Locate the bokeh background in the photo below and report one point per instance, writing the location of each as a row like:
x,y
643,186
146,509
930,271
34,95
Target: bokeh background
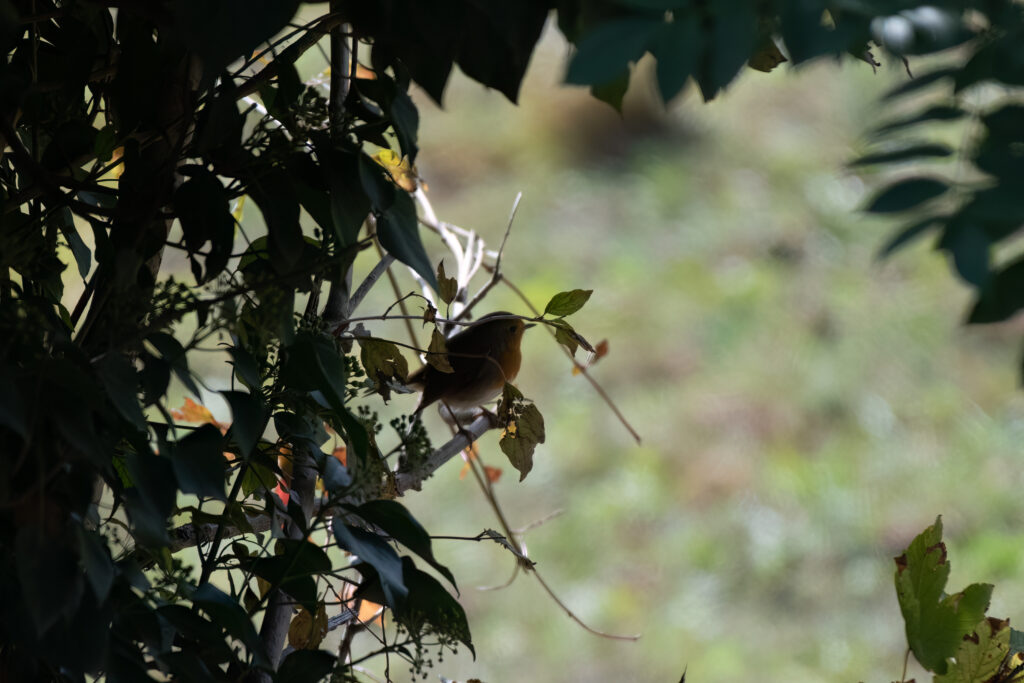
x,y
805,408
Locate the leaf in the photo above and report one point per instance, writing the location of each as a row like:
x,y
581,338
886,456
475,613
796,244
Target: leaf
x,y
230,615
229,29
908,233
202,206
382,360
122,384
400,525
294,570
399,234
603,52
247,421
935,622
931,114
521,436
349,203
191,411
678,51
447,287
400,169
980,653
1003,296
922,81
906,153
174,355
199,464
969,246
767,57
430,603
306,666
307,629
373,550
567,303
437,352
907,194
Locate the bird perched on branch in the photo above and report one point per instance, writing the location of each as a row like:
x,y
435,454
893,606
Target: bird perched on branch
x,y
483,357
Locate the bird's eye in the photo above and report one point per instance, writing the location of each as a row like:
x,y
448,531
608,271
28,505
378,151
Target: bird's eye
x,y
511,328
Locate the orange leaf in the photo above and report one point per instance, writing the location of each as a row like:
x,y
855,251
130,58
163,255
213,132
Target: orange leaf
x,y
340,454
193,412
601,350
493,473
282,494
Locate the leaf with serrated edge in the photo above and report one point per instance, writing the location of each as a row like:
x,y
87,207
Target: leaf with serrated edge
x,y
980,653
935,622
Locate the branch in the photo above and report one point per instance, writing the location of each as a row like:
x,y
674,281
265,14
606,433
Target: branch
x,y
188,535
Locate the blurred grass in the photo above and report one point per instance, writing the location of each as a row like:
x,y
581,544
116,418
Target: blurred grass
x,y
805,409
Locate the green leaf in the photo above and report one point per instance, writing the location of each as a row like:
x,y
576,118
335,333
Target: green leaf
x,y
907,194
678,51
96,561
935,622
919,82
246,367
929,115
349,204
614,91
373,550
399,234
401,526
224,31
521,436
382,360
437,352
294,570
174,355
447,287
908,233
567,303
278,202
306,666
201,203
969,246
230,615
247,420
1003,296
606,50
906,153
122,384
980,654
199,463
81,252
430,603
12,405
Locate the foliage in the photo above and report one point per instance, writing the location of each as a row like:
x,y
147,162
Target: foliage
x,y
950,634
125,130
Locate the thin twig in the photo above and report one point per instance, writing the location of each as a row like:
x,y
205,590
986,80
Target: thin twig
x,y
370,280
496,275
575,618
583,371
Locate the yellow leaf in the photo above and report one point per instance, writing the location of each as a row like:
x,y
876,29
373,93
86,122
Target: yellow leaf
x,y
307,631
401,171
437,352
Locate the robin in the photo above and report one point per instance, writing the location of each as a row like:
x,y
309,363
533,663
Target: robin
x,y
483,356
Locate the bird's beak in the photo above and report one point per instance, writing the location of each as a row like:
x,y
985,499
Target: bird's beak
x,y
526,327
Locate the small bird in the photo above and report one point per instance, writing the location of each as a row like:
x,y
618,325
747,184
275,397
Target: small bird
x,y
483,356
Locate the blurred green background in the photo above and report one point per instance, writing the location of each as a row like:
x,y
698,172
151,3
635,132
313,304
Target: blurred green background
x,y
805,409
